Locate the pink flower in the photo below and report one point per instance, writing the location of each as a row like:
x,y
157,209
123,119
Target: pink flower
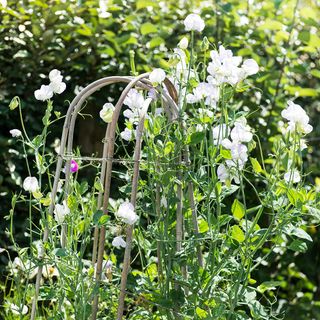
x,y
74,167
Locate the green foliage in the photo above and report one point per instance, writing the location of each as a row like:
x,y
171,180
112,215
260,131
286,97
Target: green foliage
x,y
39,36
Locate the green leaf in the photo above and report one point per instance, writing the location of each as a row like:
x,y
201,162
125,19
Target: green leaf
x,y
201,313
60,252
226,154
257,310
268,285
297,232
169,147
96,216
315,73
156,42
298,246
148,27
196,137
237,234
104,220
256,165
237,209
141,4
203,226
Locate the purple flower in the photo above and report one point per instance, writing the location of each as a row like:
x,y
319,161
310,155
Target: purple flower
x,y
74,167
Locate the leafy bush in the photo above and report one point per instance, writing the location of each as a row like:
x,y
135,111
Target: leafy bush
x,y
41,36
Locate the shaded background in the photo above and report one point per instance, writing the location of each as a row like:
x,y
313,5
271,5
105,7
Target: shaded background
x,y
88,40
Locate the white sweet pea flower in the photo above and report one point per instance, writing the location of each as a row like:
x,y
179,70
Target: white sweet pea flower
x,y
193,22
241,131
292,176
126,213
219,133
250,67
56,83
55,76
183,44
22,310
157,76
30,184
126,134
163,202
44,93
228,172
298,118
118,242
58,87
15,133
60,212
4,3
106,112
204,91
238,151
223,173
134,99
225,68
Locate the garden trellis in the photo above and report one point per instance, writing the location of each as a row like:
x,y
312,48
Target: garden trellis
x,y
169,96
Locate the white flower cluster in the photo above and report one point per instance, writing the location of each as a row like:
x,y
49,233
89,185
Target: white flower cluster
x,y
204,91
225,68
298,123
60,212
56,86
138,106
126,214
297,117
193,22
241,133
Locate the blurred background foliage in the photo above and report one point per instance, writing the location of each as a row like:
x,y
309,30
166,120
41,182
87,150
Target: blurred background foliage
x,y
90,39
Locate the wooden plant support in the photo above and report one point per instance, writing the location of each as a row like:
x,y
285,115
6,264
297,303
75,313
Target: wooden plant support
x,y
170,98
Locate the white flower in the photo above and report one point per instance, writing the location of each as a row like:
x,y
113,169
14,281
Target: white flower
x,y
193,22
44,93
126,213
30,184
298,118
250,67
78,20
163,202
222,172
4,3
60,212
157,76
58,87
18,310
225,68
292,176
126,134
15,133
183,44
56,83
241,131
238,151
55,76
106,112
206,91
118,242
219,133
134,99
103,7
228,172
